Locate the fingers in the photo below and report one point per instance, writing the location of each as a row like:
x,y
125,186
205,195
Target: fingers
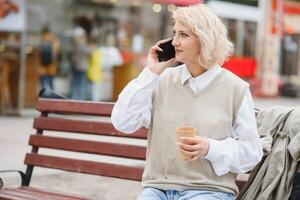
x,y
187,147
170,62
190,150
190,156
162,41
156,46
194,147
190,140
189,153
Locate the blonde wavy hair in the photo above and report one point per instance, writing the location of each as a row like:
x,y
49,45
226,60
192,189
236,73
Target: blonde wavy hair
x,y
212,33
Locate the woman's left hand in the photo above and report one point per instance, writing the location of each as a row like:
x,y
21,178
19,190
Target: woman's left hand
x,y
194,147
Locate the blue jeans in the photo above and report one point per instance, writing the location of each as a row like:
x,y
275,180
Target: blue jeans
x,y
46,82
150,193
79,85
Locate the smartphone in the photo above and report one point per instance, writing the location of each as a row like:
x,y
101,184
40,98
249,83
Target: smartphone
x,y
167,53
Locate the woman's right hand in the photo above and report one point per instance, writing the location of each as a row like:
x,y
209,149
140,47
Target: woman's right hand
x,y
152,60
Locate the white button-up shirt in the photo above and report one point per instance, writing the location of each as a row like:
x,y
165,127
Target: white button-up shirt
x,y
238,153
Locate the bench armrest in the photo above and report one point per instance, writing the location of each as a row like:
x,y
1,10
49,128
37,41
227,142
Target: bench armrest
x,y
8,171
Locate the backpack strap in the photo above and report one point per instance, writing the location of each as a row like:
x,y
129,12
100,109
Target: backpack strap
x,y
278,125
277,129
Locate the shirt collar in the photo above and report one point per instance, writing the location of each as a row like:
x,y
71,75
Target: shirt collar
x,y
203,79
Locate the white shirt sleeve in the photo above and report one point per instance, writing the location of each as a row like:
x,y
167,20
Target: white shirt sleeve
x,y
241,152
133,109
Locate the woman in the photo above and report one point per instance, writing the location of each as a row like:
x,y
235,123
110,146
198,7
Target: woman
x,y
198,93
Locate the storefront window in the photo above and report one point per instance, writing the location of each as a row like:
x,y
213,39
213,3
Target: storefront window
x,y
291,54
232,32
243,35
249,39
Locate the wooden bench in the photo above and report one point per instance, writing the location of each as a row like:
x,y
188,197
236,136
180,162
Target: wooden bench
x,y
54,127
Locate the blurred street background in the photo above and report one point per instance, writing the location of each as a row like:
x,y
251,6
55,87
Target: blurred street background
x,y
90,49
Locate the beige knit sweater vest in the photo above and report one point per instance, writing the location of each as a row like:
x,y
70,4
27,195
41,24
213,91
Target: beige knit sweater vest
x,y
212,111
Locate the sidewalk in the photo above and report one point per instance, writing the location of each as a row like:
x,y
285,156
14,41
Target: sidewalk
x,y
14,135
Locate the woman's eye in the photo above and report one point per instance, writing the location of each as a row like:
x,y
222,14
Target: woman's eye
x,y
180,34
183,35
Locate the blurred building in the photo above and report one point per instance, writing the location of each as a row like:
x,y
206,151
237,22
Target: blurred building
x,y
112,23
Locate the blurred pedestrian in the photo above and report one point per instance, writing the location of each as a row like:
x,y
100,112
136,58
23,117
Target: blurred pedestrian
x,y
80,56
95,71
48,52
198,93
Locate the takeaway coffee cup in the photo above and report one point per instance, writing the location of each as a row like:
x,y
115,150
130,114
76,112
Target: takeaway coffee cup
x,y
185,131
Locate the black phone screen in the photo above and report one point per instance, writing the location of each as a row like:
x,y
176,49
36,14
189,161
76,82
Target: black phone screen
x,y
168,51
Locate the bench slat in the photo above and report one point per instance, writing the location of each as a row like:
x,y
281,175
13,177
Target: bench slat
x,y
85,146
36,194
4,196
89,167
8,193
89,127
75,107
52,193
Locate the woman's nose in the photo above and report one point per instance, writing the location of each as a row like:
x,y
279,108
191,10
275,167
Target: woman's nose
x,y
175,42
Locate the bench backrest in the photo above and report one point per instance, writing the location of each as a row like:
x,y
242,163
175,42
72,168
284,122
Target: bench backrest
x,y
54,128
